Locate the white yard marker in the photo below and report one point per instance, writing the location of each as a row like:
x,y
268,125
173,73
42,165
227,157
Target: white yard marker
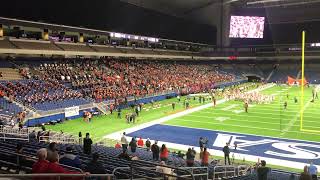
x,y
221,119
230,107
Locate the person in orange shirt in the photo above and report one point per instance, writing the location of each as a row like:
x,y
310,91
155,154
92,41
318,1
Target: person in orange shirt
x,y
140,142
118,145
204,157
164,153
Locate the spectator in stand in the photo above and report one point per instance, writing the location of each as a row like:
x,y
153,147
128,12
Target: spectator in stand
x,y
313,170
21,159
117,146
226,151
94,166
305,174
140,142
55,167
191,154
124,155
38,136
33,136
263,171
124,142
148,144
80,138
87,142
41,166
204,155
70,159
52,148
133,145
164,153
201,145
155,151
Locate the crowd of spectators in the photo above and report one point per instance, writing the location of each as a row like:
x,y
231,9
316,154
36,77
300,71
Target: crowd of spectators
x,y
107,79
31,92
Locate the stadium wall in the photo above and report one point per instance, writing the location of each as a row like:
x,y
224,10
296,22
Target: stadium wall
x,y
47,119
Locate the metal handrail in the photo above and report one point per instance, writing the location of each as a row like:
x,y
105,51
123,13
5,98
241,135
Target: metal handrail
x,y
108,176
156,164
199,168
20,134
224,172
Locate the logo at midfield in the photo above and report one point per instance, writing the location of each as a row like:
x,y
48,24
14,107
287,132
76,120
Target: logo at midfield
x,y
269,146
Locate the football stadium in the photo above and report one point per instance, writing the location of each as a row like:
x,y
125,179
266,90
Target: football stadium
x,y
160,89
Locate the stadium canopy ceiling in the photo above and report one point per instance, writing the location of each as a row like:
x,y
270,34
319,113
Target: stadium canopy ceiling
x,y
177,8
279,10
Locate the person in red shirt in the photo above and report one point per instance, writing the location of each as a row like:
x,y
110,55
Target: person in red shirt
x,y
140,142
204,157
164,153
55,167
41,166
117,146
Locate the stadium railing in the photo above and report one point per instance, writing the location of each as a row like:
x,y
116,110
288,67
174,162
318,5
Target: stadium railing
x,y
56,176
203,172
178,172
59,138
224,172
7,133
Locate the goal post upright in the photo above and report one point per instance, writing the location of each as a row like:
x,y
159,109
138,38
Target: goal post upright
x,y
302,80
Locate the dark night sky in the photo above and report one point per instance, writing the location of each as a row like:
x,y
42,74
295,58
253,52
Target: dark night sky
x,y
111,15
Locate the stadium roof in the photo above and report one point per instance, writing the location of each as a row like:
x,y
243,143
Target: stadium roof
x,y
279,11
173,7
182,7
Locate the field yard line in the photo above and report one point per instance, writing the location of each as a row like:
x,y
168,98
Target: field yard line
x,y
117,135
233,119
237,120
262,113
249,127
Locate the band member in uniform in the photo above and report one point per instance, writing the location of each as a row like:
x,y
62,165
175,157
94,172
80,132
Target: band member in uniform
x,y
173,105
111,108
119,113
214,101
246,107
285,105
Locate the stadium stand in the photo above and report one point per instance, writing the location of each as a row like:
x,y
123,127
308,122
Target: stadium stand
x,y
34,44
6,44
106,49
74,47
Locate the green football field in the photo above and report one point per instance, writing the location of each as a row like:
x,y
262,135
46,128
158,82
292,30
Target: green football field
x,y
262,119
